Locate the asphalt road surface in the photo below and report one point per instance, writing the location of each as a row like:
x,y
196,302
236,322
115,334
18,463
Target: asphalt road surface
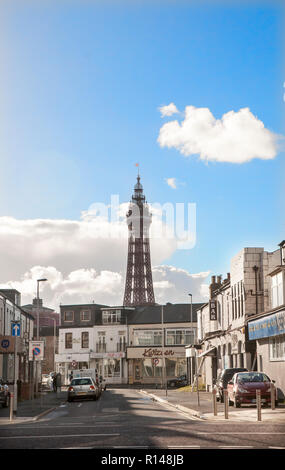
x,y
124,418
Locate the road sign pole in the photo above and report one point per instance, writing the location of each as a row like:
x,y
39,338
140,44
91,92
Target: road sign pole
x,y
15,376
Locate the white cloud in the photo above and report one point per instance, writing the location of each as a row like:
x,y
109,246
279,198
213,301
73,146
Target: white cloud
x,y
69,245
106,287
173,285
171,182
237,137
168,110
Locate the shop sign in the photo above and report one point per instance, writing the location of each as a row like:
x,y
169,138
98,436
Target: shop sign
x,y
141,353
272,325
213,309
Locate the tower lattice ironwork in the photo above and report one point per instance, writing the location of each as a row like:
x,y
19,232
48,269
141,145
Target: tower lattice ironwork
x,y
138,287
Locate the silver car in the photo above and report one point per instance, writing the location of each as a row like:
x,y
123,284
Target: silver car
x,y
83,387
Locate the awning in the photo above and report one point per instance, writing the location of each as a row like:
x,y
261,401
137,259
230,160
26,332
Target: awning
x,y
208,352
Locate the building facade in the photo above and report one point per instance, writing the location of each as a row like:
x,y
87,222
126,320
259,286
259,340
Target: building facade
x,y
267,328
157,338
93,336
223,320
10,312
126,344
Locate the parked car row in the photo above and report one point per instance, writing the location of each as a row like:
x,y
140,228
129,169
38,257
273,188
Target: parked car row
x,y
242,385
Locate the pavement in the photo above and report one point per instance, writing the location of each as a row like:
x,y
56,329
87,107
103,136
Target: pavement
x,y
32,410
185,400
181,399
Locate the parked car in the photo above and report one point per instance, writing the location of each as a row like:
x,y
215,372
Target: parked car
x,y
83,387
177,382
223,379
243,386
4,394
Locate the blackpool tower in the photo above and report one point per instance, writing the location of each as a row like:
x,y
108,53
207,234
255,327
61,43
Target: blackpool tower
x,y
139,287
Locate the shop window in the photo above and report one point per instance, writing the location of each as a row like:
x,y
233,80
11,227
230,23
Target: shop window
x,y
111,367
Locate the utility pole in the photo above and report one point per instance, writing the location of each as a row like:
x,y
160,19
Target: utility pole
x,y
38,331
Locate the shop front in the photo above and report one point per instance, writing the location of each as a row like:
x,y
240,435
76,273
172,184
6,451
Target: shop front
x,y
111,365
154,365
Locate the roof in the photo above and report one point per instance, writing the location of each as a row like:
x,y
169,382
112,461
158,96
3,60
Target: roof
x,y
172,313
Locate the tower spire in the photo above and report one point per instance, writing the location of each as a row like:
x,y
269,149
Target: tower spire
x,y
139,286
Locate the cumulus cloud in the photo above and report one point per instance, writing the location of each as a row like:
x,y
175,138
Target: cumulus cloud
x,y
168,110
106,287
94,241
172,284
237,137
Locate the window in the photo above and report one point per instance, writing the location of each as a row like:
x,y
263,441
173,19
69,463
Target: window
x,y
111,316
68,316
85,315
179,337
147,337
68,340
85,339
277,348
277,290
101,345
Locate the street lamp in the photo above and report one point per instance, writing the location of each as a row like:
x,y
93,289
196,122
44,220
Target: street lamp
x,y
191,320
38,326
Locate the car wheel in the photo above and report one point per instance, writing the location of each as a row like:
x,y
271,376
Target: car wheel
x,y
70,399
172,384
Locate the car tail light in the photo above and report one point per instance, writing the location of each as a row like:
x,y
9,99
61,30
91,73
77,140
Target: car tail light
x,y
92,387
70,389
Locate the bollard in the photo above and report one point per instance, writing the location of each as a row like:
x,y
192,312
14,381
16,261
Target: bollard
x,y
226,404
215,402
272,392
258,404
11,406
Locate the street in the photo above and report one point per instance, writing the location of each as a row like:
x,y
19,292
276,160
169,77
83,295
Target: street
x,y
125,418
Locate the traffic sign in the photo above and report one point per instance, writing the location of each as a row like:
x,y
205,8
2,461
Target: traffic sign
x,y
36,350
16,329
5,343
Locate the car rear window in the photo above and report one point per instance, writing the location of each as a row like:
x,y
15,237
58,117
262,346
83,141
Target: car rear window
x,y
81,382
252,377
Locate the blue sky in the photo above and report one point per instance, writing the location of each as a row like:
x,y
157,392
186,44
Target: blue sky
x,y
80,88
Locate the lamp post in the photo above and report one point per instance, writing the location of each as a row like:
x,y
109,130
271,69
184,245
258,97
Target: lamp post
x,y
191,358
38,327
